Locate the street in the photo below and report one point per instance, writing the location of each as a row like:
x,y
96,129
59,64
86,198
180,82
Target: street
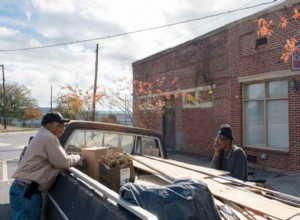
x,y
11,146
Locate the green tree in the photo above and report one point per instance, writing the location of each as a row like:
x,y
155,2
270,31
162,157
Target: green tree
x,y
18,101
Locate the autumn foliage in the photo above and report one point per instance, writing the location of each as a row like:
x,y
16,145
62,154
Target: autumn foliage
x,y
264,30
34,113
154,98
289,49
264,27
76,103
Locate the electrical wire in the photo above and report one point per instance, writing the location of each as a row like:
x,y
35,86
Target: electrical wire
x,y
137,31
129,61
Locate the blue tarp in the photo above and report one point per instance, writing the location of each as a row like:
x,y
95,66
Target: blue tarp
x,y
184,199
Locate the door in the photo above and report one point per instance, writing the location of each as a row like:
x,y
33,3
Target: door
x,y
169,128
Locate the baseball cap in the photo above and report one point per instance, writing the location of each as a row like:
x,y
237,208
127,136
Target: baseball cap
x,y
225,130
54,117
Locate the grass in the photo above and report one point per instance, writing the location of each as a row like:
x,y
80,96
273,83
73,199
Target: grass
x,y
14,128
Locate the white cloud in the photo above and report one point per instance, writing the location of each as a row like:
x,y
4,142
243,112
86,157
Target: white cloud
x,y
41,22
28,15
6,32
62,6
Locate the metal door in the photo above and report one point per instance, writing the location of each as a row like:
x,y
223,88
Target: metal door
x,y
169,128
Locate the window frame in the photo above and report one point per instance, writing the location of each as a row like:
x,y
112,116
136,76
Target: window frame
x,y
137,139
196,92
265,99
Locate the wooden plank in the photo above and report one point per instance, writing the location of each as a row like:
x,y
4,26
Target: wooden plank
x,y
243,198
242,213
227,212
150,180
200,169
219,176
141,166
177,172
252,201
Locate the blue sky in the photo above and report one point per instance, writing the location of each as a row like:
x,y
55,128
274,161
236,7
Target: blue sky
x,y
35,23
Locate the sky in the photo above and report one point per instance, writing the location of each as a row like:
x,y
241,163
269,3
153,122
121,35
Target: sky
x,y
40,23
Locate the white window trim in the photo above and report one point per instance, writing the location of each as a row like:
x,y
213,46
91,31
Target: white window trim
x,y
268,76
182,92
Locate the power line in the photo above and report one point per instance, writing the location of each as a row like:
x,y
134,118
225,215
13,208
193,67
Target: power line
x,y
130,60
138,31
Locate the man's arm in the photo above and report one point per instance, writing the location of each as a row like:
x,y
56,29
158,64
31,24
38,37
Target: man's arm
x,y
215,163
240,170
58,157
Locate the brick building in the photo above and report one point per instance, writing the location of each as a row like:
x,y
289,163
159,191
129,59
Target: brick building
x,y
236,78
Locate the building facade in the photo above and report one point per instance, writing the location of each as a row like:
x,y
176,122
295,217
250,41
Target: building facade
x,y
236,78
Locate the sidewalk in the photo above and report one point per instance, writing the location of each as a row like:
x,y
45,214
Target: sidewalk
x,y
287,183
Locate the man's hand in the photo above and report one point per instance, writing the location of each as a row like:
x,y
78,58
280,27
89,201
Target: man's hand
x,y
82,164
218,148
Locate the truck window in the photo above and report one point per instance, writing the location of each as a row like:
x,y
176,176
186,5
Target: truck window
x,y
127,143
111,140
147,146
83,139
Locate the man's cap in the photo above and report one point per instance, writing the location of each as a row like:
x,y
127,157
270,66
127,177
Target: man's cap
x,y
54,117
225,130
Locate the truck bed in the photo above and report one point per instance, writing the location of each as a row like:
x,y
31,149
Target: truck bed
x,y
74,195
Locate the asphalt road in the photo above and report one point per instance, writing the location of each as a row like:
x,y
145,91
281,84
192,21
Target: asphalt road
x,y
11,146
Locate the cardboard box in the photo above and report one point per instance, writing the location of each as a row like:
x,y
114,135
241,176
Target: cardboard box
x,y
92,156
117,176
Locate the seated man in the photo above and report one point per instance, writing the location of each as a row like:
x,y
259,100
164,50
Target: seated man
x,y
229,157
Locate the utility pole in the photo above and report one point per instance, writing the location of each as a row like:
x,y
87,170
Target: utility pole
x,y
4,98
51,100
125,110
95,86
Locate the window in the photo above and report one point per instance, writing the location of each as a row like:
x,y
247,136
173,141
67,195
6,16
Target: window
x,y
200,97
127,143
147,146
83,139
189,98
111,140
266,114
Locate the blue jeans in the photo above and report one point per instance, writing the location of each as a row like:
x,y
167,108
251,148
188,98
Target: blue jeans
x,y
22,208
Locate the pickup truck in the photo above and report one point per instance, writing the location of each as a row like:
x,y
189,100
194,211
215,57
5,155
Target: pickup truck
x,y
75,195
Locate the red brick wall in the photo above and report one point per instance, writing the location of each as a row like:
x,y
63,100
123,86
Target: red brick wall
x,y
225,56
246,60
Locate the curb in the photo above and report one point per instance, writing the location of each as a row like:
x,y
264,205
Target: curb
x,y
11,131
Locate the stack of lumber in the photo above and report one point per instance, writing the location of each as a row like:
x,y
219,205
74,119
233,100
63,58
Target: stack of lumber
x,y
235,199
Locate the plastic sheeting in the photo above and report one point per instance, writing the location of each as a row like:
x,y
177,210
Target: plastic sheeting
x,y
184,199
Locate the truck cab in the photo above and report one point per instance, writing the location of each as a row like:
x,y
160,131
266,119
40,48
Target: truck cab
x,y
132,140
